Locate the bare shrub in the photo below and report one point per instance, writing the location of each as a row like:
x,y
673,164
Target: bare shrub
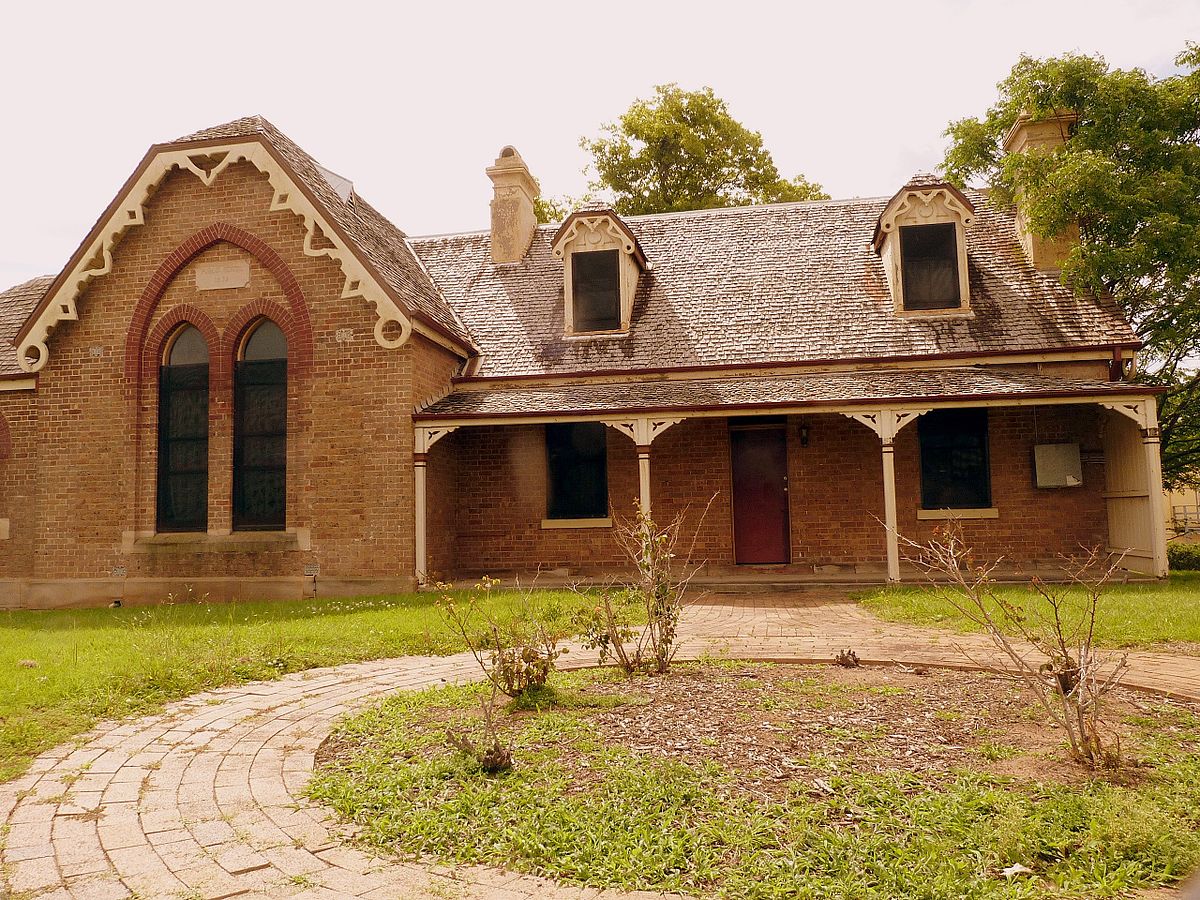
x,y
1049,641
847,659
490,753
656,593
517,656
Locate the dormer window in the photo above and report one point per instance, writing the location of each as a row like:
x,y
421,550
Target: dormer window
x,y
596,291
921,237
602,263
929,266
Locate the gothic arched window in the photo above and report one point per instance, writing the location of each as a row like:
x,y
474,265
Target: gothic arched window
x,y
183,433
260,430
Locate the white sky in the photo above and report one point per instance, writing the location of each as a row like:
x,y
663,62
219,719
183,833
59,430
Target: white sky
x,y
413,104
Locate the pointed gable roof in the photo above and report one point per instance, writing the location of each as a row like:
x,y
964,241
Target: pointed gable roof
x,y
385,245
595,210
380,247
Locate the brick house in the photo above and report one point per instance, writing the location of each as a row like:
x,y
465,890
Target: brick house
x,y
248,381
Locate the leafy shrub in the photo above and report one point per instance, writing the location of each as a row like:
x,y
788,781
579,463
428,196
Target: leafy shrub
x,y
1183,556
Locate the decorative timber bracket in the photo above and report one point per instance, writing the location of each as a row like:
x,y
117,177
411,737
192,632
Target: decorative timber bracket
x,y
887,423
207,164
644,430
425,436
1144,414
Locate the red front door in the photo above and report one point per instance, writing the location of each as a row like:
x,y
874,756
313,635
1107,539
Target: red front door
x,y
760,501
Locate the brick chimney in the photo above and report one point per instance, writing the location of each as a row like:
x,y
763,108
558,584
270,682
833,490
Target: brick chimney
x,y
1044,135
513,219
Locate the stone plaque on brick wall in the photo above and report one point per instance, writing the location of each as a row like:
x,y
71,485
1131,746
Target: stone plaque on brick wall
x,y
220,276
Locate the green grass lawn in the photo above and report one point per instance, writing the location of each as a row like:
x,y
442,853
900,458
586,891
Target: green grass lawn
x,y
1130,615
63,671
584,810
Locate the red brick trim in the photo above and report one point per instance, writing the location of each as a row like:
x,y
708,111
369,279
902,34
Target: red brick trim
x,y
219,365
299,340
5,440
300,335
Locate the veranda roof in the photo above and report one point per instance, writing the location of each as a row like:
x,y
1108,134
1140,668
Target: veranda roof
x,y
824,389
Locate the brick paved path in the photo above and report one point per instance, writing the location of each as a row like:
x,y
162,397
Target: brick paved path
x,y
202,801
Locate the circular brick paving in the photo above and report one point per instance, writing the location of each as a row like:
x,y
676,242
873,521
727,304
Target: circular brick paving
x,y
204,800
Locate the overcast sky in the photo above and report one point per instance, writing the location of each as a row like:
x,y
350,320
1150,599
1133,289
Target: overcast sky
x,y
412,105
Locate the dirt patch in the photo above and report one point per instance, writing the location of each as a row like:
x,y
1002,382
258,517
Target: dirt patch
x,y
773,724
774,727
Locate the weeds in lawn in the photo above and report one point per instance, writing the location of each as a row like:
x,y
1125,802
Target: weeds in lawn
x,y
93,664
490,753
1067,673
585,809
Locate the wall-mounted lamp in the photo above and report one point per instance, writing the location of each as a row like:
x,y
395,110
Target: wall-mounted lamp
x,y
803,435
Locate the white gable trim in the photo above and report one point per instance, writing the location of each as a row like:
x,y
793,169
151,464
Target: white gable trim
x,y
130,212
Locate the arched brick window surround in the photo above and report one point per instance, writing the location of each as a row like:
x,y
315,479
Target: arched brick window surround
x,y
296,324
152,354
249,315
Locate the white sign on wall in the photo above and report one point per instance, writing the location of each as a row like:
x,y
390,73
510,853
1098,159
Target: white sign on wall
x,y
221,276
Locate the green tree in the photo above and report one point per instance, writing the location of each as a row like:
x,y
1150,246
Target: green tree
x,y
682,150
1129,176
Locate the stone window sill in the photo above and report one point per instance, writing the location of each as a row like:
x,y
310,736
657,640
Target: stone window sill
x,y
577,523
953,312
212,542
934,514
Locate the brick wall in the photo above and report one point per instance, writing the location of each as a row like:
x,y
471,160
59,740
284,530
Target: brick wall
x,y
18,463
496,475
91,505
1034,524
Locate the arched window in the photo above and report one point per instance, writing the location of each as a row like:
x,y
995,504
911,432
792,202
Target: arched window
x,y
260,430
183,433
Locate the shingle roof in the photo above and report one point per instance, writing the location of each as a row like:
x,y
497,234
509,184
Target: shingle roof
x,y
779,283
900,385
383,244
16,304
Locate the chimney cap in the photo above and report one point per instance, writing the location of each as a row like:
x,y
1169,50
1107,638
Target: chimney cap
x,y
1063,118
510,169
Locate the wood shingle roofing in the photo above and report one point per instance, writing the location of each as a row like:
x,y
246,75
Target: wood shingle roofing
x,y
780,283
785,283
810,389
16,305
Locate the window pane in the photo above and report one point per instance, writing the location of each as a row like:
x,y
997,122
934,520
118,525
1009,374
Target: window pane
x,y
577,461
263,497
186,415
182,486
187,456
955,472
260,445
265,342
595,287
188,348
929,263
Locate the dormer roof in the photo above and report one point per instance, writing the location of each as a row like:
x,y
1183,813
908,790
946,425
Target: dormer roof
x,y
925,185
591,212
